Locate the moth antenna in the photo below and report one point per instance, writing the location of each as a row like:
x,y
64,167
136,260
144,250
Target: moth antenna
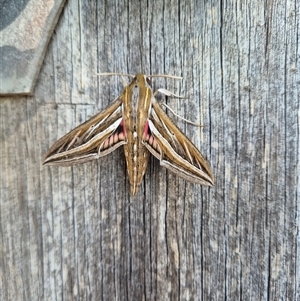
x,y
165,75
118,74
114,73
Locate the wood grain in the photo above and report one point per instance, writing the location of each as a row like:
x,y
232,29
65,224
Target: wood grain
x,y
74,233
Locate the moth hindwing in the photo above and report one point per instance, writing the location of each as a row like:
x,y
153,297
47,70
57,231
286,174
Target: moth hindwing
x,y
136,121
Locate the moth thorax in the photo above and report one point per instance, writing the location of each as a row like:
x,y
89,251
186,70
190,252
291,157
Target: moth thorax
x,y
135,100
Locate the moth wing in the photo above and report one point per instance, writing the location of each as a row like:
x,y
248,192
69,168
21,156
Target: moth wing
x,y
174,150
94,138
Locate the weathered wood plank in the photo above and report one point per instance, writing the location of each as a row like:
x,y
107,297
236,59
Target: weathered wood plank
x,y
71,233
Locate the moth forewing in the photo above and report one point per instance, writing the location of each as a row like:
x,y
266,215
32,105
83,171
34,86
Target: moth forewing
x,y
85,141
176,152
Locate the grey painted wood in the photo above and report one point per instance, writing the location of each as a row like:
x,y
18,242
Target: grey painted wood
x,y
25,30
76,234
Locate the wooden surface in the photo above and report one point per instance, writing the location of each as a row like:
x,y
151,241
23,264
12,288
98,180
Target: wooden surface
x,y
25,30
76,234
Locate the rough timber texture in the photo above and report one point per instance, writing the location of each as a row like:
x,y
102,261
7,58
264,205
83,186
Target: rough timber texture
x,y
76,234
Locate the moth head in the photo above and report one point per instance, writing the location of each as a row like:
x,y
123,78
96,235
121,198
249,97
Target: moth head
x,y
142,79
148,80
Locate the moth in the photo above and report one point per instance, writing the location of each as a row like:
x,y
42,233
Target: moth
x,y
135,120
